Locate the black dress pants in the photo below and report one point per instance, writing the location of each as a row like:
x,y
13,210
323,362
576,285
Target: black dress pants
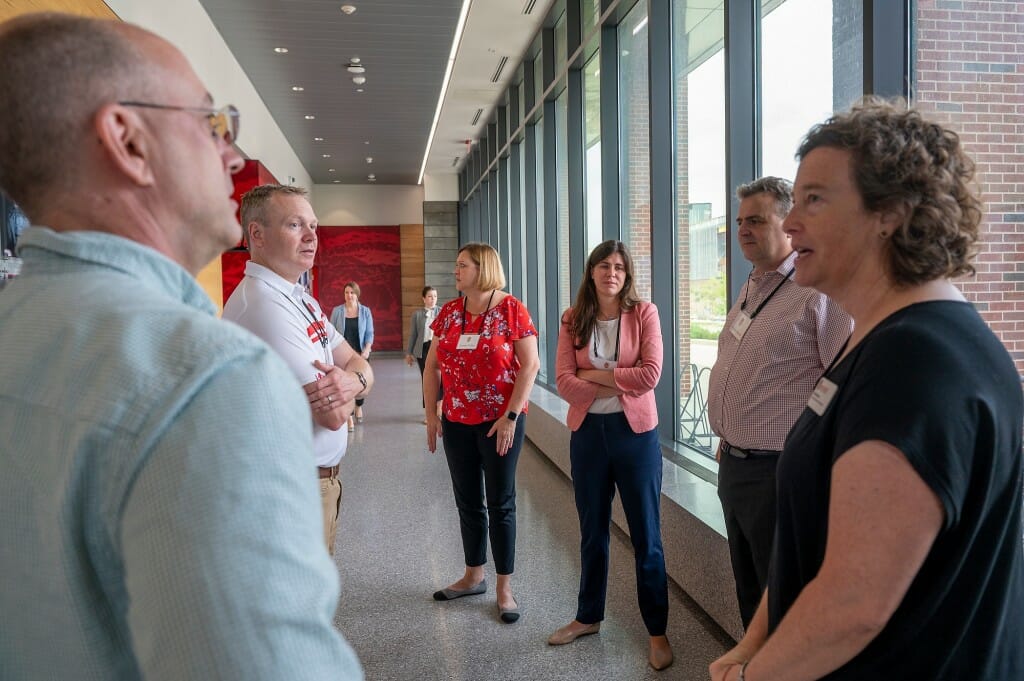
x,y
478,473
746,488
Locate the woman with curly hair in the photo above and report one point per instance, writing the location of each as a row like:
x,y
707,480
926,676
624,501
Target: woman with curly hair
x,y
898,549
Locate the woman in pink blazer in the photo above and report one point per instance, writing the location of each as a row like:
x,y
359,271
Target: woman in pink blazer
x,y
609,361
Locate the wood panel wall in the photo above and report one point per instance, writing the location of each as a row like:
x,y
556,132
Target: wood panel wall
x,y
413,274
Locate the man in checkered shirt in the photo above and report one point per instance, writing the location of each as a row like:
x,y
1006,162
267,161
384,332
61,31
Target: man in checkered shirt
x,y
778,340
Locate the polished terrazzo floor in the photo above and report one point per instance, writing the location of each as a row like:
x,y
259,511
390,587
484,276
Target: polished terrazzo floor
x,y
398,541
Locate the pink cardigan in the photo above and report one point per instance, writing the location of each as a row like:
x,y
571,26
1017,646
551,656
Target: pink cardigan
x,y
640,356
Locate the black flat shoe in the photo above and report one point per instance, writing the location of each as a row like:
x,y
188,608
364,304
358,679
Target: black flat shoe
x,y
509,615
452,594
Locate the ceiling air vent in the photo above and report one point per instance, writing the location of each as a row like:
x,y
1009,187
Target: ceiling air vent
x,y
476,117
455,161
497,72
528,7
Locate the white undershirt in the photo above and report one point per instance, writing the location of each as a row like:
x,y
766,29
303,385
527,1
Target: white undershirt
x,y
605,335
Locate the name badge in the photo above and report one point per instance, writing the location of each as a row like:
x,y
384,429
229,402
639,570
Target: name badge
x,y
740,325
822,396
468,341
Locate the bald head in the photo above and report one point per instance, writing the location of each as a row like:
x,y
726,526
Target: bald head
x,y
56,71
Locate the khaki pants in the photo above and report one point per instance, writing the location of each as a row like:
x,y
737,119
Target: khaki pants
x,y
330,503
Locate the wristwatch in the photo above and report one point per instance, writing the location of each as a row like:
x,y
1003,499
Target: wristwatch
x,y
512,416
362,379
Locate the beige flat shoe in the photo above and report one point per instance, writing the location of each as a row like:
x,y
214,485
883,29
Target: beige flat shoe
x,y
570,633
660,657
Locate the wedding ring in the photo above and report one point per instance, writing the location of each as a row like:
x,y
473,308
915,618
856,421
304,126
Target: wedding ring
x,y
329,399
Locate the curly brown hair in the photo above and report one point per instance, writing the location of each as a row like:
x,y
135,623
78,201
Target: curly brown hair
x,y
902,162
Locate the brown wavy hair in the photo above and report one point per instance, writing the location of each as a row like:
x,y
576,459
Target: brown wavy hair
x,y
902,162
582,317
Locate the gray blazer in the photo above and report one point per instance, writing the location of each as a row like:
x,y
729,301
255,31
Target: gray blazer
x,y
416,332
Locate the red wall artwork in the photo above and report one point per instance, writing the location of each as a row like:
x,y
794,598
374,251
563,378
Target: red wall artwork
x,y
371,257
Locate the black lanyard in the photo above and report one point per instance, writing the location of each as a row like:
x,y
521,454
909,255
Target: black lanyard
x,y
743,305
618,333
465,301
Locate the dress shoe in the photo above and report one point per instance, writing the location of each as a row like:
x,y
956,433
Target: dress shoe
x,y
452,594
509,615
568,633
660,657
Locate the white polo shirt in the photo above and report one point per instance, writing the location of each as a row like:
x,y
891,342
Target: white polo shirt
x,y
291,322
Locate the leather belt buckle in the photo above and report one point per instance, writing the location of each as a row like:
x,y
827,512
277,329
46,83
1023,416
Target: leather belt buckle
x,y
735,451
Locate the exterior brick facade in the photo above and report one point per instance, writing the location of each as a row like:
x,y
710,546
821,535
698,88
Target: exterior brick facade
x,y
969,70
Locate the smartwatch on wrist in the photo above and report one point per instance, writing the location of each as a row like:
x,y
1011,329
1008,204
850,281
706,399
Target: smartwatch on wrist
x,y
512,416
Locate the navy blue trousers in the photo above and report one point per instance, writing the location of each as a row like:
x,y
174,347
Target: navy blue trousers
x,y
477,471
606,454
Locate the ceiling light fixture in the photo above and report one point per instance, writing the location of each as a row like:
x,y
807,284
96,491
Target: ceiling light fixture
x,y
281,50
359,89
297,88
348,9
330,170
358,80
310,117
337,182
459,28
372,176
326,155
318,139
355,65
369,159
366,142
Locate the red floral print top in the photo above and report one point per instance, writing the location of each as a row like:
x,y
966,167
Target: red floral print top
x,y
478,383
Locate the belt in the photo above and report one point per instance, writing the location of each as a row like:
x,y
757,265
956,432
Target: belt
x,y
748,453
331,472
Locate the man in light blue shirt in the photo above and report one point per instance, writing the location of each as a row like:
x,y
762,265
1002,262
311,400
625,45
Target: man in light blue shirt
x,y
158,505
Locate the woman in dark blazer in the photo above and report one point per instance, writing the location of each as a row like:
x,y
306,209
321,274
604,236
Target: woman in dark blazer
x,y
608,364
420,333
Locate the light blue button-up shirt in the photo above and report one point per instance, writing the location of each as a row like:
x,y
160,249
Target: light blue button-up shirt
x,y
159,510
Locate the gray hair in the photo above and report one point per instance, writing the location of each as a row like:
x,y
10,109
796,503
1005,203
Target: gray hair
x,y
778,188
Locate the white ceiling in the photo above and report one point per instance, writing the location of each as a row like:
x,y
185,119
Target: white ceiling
x,y
404,46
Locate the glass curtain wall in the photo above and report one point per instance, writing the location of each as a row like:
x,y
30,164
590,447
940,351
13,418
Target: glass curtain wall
x,y
698,37
539,314
634,141
821,42
592,150
562,177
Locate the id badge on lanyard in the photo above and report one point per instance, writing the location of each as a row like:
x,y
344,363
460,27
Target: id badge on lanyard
x,y
468,341
740,325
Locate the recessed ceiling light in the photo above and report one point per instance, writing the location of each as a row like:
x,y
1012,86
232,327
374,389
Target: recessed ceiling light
x,y
281,50
337,182
366,142
326,155
330,170
358,80
318,139
373,179
310,118
359,89
297,88
369,159
372,176
348,9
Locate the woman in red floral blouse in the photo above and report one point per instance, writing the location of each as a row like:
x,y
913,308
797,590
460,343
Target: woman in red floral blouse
x,y
485,356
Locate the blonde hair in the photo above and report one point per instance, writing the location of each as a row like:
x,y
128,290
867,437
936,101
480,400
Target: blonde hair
x,y
492,274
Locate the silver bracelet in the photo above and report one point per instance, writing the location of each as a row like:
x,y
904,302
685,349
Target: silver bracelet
x,y
743,672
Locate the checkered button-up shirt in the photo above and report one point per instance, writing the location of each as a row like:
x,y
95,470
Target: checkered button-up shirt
x,y
760,384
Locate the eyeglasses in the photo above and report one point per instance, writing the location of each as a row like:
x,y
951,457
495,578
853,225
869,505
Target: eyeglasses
x,y
224,122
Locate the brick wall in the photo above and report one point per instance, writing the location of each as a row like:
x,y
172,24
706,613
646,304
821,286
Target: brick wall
x,y
970,71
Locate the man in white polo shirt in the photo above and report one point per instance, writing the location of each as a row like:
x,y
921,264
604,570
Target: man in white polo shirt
x,y
280,231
